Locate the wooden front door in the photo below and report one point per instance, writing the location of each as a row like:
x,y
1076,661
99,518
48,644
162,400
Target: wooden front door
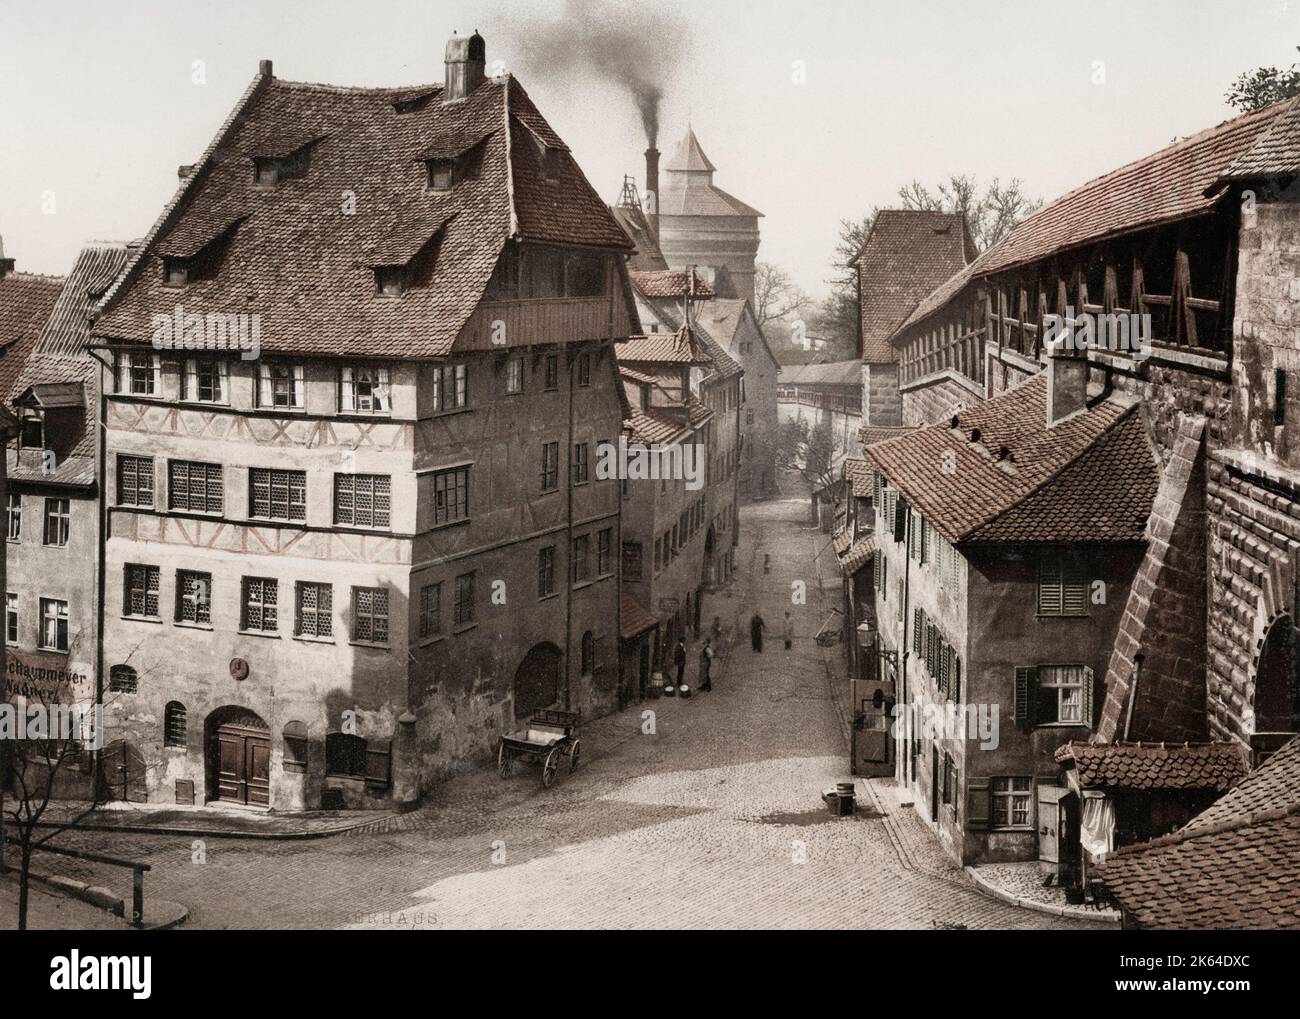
x,y
121,769
243,765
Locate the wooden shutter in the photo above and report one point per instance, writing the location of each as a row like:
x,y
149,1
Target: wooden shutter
x,y
1026,695
944,652
1074,588
1049,584
900,520
876,560
918,623
347,391
978,804
1087,696
923,541
378,756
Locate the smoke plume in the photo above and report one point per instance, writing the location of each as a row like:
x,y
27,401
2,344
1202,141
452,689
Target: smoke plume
x,y
621,44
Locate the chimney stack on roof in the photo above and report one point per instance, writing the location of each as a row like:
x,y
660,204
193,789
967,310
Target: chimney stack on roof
x,y
1067,382
466,66
6,264
652,188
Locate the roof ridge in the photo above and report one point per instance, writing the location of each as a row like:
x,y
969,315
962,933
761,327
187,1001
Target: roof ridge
x,y
326,87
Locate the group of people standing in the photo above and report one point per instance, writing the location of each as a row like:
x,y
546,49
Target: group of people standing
x,y
757,626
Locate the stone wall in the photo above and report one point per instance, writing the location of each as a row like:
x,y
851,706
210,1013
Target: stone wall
x,y
937,398
883,401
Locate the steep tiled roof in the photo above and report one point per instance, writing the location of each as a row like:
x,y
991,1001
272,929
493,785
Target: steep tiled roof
x,y
1154,765
1276,152
635,618
681,347
1274,786
687,188
869,434
1167,185
300,254
906,255
59,358
670,283
26,301
859,474
957,480
647,257
857,555
656,427
1234,866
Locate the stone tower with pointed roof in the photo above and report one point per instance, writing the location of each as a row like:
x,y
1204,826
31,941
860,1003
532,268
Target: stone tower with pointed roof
x,y
702,225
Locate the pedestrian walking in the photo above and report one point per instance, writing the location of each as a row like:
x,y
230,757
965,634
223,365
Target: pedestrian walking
x,y
706,663
787,631
679,659
756,628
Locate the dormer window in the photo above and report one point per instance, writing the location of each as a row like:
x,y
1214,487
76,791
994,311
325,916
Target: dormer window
x,y
32,435
282,159
391,280
176,271
552,161
442,174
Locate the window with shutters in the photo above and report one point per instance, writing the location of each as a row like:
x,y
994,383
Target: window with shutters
x,y
1064,695
1011,802
546,571
174,724
194,487
1062,585
918,631
430,611
140,597
277,495
362,500
370,615
314,610
364,389
258,611
135,480
451,495
193,597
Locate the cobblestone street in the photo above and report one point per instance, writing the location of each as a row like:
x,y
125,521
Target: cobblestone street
x,y
712,819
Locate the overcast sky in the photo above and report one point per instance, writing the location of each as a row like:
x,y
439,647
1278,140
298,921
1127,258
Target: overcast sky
x,y
98,102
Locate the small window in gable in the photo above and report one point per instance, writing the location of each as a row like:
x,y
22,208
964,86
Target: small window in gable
x,y
176,271
270,170
552,162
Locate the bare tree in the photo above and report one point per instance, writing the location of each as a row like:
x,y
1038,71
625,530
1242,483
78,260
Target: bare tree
x,y
810,450
990,213
776,295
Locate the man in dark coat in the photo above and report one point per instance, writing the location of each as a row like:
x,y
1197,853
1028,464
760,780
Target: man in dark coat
x,y
679,659
706,663
756,628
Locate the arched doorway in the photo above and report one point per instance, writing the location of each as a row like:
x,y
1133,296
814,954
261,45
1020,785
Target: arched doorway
x,y
238,763
1277,680
537,680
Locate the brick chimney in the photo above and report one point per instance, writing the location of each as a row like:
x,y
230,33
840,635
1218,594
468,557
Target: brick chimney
x,y
1067,382
652,187
466,66
6,264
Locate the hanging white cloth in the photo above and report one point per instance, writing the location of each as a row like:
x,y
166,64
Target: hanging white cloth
x,y
1097,826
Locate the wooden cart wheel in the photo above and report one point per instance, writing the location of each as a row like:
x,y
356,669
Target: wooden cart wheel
x,y
574,750
505,760
549,767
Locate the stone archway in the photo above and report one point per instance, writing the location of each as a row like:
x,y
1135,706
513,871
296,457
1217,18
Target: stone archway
x,y
1277,679
537,680
238,757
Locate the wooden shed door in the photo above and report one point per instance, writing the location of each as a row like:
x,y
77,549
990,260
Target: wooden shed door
x,y
1049,822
